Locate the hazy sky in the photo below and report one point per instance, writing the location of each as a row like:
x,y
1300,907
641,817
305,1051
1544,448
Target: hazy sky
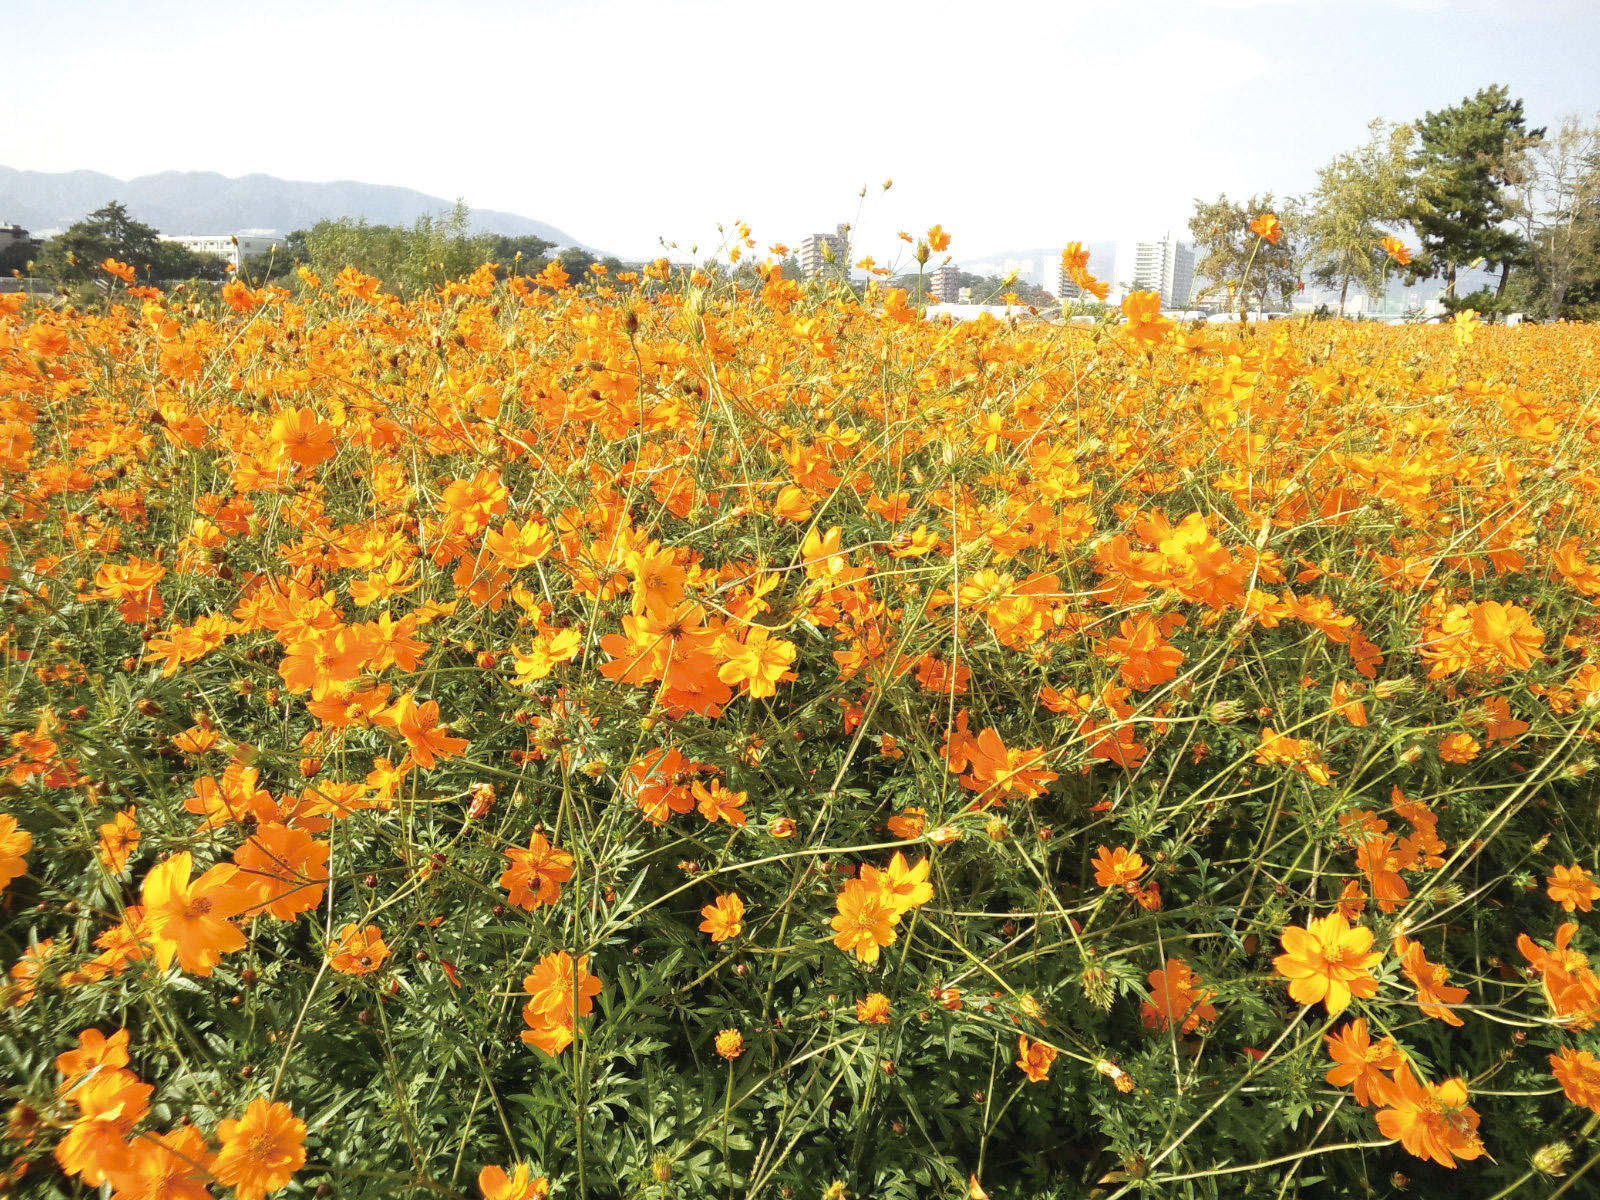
x,y
1015,124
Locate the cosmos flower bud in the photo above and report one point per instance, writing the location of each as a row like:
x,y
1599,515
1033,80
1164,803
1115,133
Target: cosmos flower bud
x,y
1552,1159
1226,712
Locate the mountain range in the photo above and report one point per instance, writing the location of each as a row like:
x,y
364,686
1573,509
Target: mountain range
x,y
191,202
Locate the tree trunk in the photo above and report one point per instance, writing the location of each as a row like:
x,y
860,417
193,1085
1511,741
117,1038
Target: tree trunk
x,y
1505,274
1343,291
1449,281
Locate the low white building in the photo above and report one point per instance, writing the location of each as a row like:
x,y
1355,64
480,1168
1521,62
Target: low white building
x,y
971,312
231,247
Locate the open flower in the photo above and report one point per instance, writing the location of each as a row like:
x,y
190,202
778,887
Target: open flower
x,y
261,1151
1328,961
724,918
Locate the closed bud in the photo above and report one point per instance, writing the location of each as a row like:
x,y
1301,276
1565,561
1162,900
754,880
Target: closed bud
x,y
1226,712
1552,1159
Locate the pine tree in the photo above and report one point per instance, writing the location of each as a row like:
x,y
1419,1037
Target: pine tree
x,y
1467,158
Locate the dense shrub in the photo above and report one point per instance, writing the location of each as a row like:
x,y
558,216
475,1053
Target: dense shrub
x,y
642,738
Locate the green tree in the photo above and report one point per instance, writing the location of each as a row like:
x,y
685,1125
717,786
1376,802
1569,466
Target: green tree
x,y
534,252
1358,194
15,256
433,250
575,261
74,256
1467,159
1230,258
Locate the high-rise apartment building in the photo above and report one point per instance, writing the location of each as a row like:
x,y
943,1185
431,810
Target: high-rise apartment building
x,y
815,261
945,282
1165,266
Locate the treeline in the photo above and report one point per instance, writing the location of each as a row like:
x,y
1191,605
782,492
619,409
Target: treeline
x,y
429,252
72,259
1470,187
409,259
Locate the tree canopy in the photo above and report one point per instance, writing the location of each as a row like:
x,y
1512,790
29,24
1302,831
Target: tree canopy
x,y
1467,158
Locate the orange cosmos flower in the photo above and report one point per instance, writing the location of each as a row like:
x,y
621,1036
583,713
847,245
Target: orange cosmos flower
x,y
724,919
1430,979
1267,228
549,650
192,920
760,662
1458,748
14,844
167,1166
1328,961
1570,986
873,1009
865,921
1146,324
304,436
109,1103
1465,325
119,837
730,1044
357,951
1148,659
536,874
521,1184
555,989
1578,1073
1117,868
1359,1063
1431,1121
426,736
120,269
1572,888
661,782
903,884
1175,996
1377,859
1396,249
95,1052
1352,900
261,1150
908,823
1034,1059
717,803
1346,705
285,870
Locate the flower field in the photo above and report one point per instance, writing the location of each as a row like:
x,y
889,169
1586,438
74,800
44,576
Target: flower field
x,y
638,737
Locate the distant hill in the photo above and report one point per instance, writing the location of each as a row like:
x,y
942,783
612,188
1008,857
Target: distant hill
x,y
205,202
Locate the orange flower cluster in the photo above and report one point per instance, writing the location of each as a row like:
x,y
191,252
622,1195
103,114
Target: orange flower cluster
x,y
871,905
259,1152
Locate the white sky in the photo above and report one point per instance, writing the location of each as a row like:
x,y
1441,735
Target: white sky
x,y
1016,124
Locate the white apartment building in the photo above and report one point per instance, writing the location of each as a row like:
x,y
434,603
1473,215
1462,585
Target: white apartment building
x,y
1165,266
231,247
814,260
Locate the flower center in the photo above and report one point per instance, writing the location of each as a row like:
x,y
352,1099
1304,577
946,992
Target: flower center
x,y
197,907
